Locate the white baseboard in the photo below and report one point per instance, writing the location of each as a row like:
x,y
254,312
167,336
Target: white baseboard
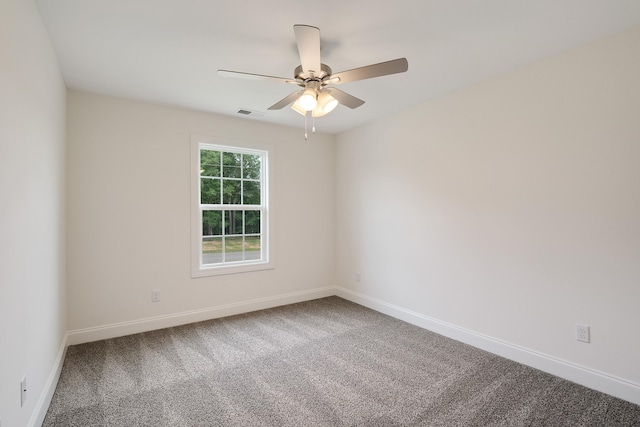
x,y
591,378
42,406
80,336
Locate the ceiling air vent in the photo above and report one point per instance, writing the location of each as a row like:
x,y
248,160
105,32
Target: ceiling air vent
x,y
247,112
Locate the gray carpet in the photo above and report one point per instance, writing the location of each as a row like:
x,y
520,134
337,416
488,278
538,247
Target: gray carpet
x,y
327,362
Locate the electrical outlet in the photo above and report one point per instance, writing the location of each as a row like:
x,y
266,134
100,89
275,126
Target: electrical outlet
x,y
155,295
582,333
23,391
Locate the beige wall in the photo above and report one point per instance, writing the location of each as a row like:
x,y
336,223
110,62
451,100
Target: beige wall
x,y
510,209
129,214
32,148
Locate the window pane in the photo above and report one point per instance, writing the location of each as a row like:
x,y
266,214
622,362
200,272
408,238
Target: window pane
x,y
231,190
212,223
232,222
231,165
211,250
252,248
251,193
233,249
252,222
232,209
251,166
209,163
209,191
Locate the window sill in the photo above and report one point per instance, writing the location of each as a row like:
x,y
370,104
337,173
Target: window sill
x,y
230,269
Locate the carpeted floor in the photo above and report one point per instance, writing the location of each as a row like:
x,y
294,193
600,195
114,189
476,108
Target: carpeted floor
x,y
327,362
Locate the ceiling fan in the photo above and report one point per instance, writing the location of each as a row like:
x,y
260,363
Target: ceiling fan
x,y
317,97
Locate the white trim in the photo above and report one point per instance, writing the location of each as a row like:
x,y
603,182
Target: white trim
x,y
113,330
601,381
42,406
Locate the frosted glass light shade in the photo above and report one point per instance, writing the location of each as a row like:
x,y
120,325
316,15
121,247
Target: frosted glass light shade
x,y
298,108
308,99
326,104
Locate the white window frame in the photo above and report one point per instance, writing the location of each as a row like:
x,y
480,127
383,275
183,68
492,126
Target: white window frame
x,y
267,260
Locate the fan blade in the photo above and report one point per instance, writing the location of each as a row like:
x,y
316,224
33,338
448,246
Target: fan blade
x,y
344,98
238,74
308,39
375,70
286,100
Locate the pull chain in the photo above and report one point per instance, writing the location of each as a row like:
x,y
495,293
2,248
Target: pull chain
x,y
305,127
313,121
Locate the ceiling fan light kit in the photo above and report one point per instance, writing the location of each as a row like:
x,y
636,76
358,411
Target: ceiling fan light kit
x,y
324,105
316,98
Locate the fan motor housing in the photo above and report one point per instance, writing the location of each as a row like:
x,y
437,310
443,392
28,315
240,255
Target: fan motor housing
x,y
300,74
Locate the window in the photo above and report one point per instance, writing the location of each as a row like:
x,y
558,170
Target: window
x,y
230,192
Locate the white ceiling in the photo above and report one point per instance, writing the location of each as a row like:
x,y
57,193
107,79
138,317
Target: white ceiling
x,y
168,51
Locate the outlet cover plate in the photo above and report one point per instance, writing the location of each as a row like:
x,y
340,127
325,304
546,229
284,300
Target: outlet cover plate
x,y
582,333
